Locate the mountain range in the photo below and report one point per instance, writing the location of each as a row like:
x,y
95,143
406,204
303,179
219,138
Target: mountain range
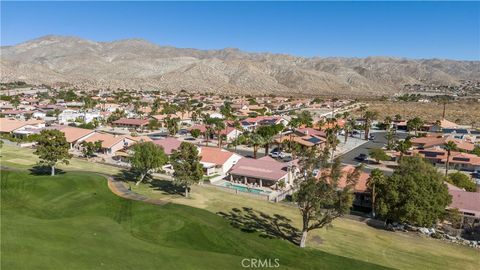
x,y
139,64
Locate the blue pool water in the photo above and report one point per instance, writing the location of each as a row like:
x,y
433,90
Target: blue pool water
x,y
245,189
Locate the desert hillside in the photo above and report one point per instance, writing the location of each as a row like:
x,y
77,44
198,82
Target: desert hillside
x,y
139,64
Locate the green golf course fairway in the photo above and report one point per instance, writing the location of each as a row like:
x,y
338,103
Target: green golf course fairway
x,y
73,221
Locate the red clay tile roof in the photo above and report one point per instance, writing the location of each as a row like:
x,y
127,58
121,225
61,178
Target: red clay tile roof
x,y
168,144
131,121
215,155
465,201
72,134
263,168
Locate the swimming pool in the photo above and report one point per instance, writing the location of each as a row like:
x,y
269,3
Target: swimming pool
x,y
245,189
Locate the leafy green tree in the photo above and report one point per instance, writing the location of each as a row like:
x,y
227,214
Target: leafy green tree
x,y
15,101
378,154
117,114
90,148
449,147
305,118
462,180
455,217
147,157
186,164
414,194
195,133
320,201
376,178
476,150
390,137
52,147
403,147
153,124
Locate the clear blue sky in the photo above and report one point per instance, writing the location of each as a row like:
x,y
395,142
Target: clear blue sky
x,y
405,29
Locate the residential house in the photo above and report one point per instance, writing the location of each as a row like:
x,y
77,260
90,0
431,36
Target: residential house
x,y
217,160
264,172
131,123
111,143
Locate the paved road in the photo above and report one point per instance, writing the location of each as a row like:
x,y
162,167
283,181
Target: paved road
x,y
378,142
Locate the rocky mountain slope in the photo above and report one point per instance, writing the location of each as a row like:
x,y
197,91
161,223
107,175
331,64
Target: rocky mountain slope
x,y
139,64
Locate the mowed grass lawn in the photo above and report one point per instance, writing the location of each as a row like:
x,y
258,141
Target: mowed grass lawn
x,y
346,238
73,221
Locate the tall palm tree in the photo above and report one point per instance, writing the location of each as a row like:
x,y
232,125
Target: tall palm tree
x,y
415,124
332,140
218,126
256,140
376,177
369,116
350,125
449,147
388,122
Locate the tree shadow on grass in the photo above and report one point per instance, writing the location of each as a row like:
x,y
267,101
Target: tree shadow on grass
x,y
168,187
276,226
44,170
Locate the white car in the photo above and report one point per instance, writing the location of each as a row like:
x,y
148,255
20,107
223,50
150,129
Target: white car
x,y
277,154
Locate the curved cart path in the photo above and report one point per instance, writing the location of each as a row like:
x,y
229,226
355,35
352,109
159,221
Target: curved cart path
x,y
118,188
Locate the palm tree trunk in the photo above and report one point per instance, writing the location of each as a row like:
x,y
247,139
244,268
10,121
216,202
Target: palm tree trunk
x,y
373,201
447,164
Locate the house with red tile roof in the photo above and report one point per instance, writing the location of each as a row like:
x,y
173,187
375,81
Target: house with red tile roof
x,y
75,136
458,160
468,203
217,160
229,132
431,141
11,125
168,144
131,123
264,172
111,143
362,199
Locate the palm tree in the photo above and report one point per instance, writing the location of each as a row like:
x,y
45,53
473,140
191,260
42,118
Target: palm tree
x,y
376,177
256,140
350,125
332,140
449,147
218,126
369,116
388,122
172,125
415,124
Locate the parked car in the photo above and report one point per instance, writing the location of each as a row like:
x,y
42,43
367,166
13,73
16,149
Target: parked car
x,y
277,154
371,137
361,157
